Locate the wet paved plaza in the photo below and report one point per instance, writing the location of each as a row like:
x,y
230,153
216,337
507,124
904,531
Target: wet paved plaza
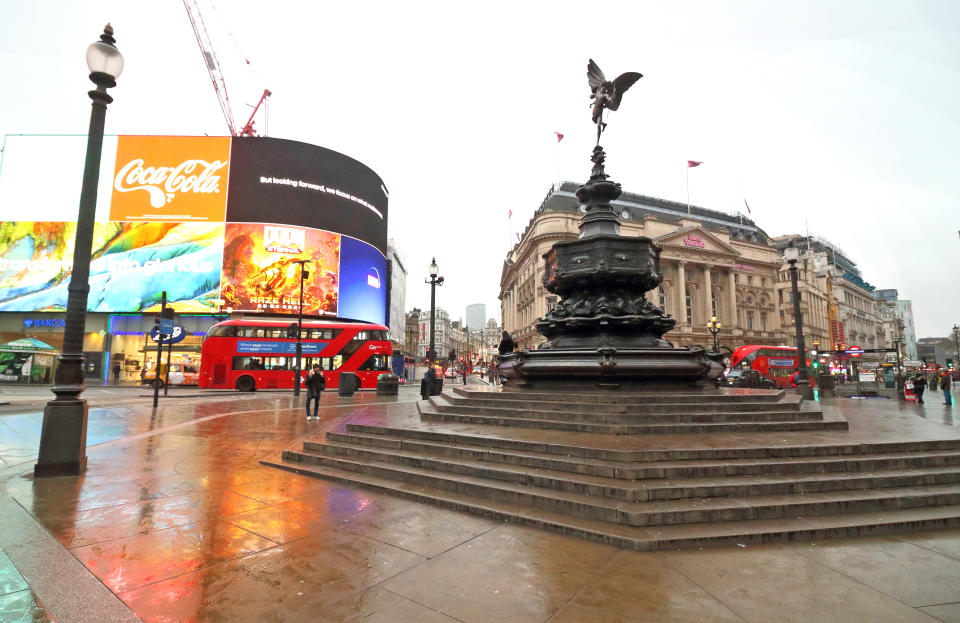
x,y
175,520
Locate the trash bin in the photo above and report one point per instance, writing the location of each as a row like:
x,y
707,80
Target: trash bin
x,y
388,384
437,386
348,384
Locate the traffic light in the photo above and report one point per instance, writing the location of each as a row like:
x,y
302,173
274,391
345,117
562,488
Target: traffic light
x,y
816,364
452,355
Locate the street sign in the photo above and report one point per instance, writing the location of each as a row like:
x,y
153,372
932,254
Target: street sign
x,y
166,326
175,335
854,351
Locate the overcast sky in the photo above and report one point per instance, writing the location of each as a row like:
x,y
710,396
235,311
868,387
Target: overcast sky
x,y
840,116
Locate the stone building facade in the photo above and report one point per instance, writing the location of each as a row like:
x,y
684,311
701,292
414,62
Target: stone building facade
x,y
714,264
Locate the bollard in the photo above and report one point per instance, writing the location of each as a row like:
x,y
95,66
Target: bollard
x,y
348,384
388,385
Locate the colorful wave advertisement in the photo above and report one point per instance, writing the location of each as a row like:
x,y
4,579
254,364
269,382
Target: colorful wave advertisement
x,y
261,269
132,263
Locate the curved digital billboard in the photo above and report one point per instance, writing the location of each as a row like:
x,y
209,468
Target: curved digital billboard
x,y
216,222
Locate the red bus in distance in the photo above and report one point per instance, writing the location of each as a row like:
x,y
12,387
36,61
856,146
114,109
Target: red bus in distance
x,y
252,354
776,363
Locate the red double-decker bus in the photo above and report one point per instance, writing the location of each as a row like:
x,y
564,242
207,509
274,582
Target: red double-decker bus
x,y
257,354
776,363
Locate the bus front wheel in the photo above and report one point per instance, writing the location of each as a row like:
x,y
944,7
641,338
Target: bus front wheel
x,y
246,384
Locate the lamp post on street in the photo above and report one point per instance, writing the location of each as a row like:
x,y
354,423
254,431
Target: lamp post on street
x,y
714,328
304,274
956,341
792,254
63,438
434,281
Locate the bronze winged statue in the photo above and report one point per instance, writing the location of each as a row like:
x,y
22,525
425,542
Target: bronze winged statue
x,y
607,94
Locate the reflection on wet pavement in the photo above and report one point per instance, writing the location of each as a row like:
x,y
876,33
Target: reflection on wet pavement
x,y
17,601
176,516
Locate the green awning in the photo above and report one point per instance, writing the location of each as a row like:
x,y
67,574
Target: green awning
x,y
27,345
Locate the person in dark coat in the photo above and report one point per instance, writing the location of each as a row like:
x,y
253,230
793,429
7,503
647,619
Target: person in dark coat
x,y
945,386
506,344
919,384
426,385
315,383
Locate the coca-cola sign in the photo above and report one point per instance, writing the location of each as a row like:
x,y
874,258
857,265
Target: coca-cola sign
x,y
170,178
163,183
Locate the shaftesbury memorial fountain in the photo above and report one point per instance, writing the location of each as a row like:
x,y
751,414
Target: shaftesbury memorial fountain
x,y
604,332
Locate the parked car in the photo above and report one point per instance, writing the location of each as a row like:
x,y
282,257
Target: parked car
x,y
748,378
180,374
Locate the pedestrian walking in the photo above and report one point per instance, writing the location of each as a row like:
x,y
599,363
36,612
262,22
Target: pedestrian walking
x,y
463,372
315,383
945,386
934,383
919,384
116,373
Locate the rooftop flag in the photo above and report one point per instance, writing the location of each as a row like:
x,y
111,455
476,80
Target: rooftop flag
x,y
693,163
559,136
748,206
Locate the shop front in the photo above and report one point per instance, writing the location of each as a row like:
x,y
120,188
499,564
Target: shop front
x,y
108,340
26,360
131,352
48,327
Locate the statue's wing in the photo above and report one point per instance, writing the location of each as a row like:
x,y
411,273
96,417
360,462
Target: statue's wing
x,y
620,85
594,76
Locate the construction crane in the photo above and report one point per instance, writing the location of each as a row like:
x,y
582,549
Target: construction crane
x,y
216,76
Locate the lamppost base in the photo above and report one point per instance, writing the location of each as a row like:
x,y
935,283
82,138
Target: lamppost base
x,y
63,444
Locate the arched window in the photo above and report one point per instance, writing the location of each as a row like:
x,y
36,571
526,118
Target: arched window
x,y
662,299
689,305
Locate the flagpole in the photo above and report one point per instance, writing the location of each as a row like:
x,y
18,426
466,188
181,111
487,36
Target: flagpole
x,y
558,164
688,188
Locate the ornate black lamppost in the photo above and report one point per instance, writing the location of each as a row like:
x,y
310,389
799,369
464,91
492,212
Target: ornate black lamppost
x,y
304,274
956,341
63,439
792,254
434,281
714,328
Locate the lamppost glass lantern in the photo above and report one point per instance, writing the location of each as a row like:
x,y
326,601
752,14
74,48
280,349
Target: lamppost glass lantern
x,y
104,58
792,254
434,269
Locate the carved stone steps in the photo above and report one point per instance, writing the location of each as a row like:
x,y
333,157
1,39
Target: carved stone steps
x,y
575,447
736,426
642,470
758,531
649,489
627,397
640,407
766,415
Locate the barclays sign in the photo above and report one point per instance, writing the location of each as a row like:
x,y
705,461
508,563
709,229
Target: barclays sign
x,y
44,322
